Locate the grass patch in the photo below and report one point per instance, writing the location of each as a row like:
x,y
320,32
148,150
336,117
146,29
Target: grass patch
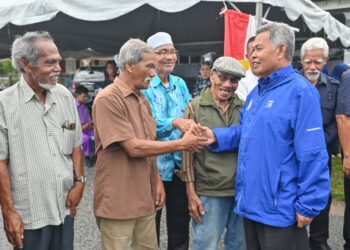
x,y
337,179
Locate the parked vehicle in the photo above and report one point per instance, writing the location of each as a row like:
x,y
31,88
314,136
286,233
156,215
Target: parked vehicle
x,y
92,78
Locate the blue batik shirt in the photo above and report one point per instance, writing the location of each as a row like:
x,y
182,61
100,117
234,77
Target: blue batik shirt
x,y
168,103
199,86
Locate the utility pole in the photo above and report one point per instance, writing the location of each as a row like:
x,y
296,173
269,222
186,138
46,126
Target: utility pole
x,y
258,13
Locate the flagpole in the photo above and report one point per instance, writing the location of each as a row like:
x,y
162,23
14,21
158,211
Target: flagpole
x,y
258,13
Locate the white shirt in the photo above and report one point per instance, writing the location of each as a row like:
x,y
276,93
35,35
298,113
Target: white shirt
x,y
246,85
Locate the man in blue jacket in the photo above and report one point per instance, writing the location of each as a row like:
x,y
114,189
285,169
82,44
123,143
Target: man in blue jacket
x,y
282,177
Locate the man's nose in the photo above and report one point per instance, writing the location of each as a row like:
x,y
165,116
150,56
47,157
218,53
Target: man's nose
x,y
313,67
57,67
253,54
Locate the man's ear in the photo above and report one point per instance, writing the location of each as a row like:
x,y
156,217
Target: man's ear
x,y
129,67
282,51
211,75
25,64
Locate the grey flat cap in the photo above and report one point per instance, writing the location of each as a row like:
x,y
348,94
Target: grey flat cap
x,y
229,65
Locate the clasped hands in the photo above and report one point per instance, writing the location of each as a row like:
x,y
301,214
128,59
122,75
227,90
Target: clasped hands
x,y
195,136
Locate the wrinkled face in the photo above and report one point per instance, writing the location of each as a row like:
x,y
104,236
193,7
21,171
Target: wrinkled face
x,y
265,57
144,71
47,69
313,63
223,85
166,58
83,98
205,72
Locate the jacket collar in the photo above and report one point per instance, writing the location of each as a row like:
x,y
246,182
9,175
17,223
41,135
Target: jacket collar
x,y
275,79
323,79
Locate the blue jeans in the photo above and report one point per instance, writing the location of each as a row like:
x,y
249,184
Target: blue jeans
x,y
218,216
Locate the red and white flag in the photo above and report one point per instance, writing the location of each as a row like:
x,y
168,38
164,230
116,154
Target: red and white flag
x,y
239,27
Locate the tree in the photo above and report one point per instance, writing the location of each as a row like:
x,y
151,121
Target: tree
x,y
6,67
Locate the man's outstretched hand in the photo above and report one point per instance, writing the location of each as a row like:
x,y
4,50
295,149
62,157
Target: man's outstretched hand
x,y
206,132
193,142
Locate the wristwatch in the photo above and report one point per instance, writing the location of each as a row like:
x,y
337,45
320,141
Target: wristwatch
x,y
81,179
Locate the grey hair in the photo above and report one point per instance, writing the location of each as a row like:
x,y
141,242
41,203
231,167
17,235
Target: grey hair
x,y
131,52
315,43
280,33
24,47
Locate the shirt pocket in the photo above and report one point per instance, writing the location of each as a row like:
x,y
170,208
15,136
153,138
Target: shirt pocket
x,y
68,141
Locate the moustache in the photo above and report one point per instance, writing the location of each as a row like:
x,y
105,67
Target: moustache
x,y
315,72
54,75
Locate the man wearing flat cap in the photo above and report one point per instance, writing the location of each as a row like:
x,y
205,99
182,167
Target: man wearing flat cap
x,y
168,96
211,178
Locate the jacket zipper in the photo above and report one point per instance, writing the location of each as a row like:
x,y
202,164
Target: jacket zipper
x,y
242,190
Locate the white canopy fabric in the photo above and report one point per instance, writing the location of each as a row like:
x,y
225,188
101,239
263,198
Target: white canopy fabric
x,y
23,12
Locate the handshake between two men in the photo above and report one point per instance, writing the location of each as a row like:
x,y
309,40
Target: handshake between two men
x,y
195,136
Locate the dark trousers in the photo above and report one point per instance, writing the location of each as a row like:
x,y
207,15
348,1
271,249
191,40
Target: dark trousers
x,y
259,236
346,228
177,216
319,227
50,237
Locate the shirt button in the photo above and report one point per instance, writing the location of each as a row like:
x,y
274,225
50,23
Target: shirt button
x,y
53,154
50,134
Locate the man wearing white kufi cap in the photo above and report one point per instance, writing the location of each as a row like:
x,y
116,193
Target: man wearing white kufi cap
x,y
169,96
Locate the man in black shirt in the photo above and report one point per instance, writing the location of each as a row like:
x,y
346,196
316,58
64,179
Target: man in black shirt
x,y
314,56
343,121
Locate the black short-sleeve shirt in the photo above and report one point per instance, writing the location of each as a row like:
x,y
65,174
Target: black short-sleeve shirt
x,y
343,102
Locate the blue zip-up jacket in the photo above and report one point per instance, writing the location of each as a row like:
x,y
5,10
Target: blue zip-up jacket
x,y
167,104
282,158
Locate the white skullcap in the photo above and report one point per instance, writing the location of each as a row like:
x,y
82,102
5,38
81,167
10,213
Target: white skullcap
x,y
159,39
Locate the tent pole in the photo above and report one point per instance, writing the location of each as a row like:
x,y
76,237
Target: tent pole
x,y
258,13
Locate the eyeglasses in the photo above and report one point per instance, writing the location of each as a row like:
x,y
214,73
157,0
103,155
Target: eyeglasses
x,y
224,77
167,52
